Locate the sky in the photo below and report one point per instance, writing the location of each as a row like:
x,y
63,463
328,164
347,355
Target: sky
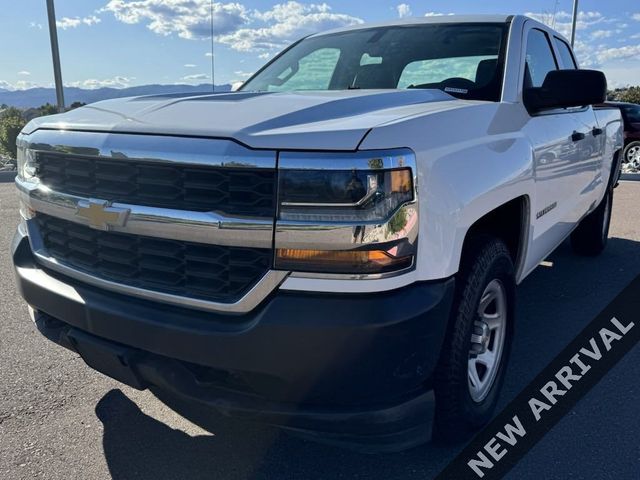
x,y
121,43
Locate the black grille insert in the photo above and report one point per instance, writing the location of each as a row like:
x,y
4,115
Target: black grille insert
x,y
201,271
231,190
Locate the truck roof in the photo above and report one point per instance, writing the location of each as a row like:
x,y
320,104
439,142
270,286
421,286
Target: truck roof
x,y
423,20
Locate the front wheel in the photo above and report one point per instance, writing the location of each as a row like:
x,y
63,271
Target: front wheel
x,y
474,357
591,236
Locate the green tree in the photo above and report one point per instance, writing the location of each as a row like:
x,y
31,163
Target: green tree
x,y
76,105
631,95
48,109
11,122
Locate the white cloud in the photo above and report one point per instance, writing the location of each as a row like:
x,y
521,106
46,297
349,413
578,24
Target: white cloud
x,y
234,25
404,10
436,14
35,25
68,22
195,76
25,84
208,54
190,65
186,18
636,16
93,83
598,56
264,55
620,53
24,73
600,34
562,20
19,85
284,23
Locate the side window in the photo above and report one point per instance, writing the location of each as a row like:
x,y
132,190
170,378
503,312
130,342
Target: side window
x,y
539,59
631,114
314,72
568,62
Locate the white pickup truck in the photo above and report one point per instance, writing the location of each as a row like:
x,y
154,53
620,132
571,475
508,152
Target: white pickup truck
x,y
334,248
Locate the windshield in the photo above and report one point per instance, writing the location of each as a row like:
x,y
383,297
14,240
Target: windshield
x,y
463,60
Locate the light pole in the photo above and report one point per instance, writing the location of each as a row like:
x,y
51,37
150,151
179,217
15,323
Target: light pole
x,y
574,21
55,54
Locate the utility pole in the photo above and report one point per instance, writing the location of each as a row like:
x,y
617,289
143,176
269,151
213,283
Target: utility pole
x,y
55,54
213,68
574,21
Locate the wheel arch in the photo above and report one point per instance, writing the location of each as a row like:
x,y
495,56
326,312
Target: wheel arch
x,y
511,222
616,168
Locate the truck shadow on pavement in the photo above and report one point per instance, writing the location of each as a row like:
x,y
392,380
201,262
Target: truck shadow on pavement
x,y
561,297
137,445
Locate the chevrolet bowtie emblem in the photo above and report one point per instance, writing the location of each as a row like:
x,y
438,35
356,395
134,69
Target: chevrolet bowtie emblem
x,y
101,215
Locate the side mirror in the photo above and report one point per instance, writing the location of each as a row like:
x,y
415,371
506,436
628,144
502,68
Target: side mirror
x,y
567,88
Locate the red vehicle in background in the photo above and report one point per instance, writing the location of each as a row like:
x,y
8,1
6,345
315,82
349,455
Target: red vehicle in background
x,y
631,118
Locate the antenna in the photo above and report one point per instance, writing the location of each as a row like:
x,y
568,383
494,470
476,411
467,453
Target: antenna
x,y
213,69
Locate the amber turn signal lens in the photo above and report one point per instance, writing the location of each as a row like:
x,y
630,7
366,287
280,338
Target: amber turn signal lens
x,y
350,262
401,180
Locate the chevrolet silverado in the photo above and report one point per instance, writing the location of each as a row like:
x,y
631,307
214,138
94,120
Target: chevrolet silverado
x,y
335,247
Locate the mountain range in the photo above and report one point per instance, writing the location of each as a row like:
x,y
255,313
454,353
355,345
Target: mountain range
x,y
35,97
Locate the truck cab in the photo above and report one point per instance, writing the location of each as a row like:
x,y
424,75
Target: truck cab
x,y
334,248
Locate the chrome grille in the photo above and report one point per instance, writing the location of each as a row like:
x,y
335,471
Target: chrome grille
x,y
195,270
198,227
233,191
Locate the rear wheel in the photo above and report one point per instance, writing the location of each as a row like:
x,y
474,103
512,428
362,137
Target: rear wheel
x,y
591,236
631,158
474,357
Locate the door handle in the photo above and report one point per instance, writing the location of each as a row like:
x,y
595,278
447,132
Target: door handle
x,y
577,136
597,131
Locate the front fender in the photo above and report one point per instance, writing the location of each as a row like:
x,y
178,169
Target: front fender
x,y
470,161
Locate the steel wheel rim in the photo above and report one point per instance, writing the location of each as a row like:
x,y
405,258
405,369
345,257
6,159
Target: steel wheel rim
x,y
487,340
633,156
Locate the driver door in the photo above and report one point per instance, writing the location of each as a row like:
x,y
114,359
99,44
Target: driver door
x,y
565,156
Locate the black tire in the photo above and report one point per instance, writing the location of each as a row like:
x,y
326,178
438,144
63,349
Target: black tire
x,y
591,235
627,149
458,415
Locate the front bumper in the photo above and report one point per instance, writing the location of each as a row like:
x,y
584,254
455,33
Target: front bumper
x,y
349,368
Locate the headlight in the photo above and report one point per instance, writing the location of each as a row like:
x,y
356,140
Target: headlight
x,y
26,171
346,213
343,195
25,162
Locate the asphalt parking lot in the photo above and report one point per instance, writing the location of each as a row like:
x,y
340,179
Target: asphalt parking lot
x,y
61,420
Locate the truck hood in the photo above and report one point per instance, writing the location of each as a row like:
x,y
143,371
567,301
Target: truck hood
x,y
327,120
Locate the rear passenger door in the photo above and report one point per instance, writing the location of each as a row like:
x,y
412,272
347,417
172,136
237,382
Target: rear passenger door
x,y
591,147
565,157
